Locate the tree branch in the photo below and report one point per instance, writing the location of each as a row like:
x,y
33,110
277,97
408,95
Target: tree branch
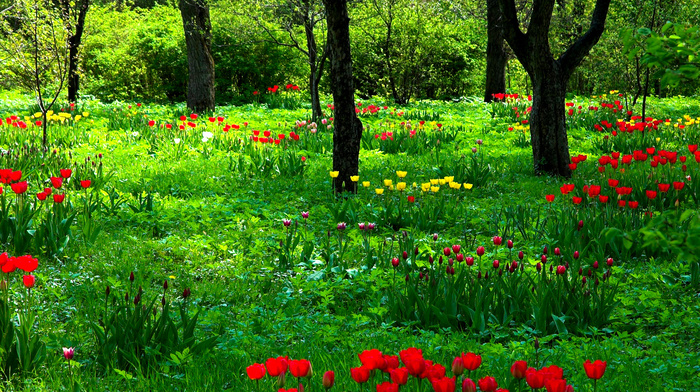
x,y
579,50
515,37
541,18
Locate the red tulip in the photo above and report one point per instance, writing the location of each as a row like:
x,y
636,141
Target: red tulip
x,y
555,385
66,173
480,251
633,204
276,366
497,240
360,374
577,200
28,281
299,367
85,184
456,248
399,375
41,196
328,379
56,182
595,370
550,198
19,187
664,187
534,378
468,385
372,359
446,251
496,263
678,185
255,371
58,198
387,387
488,384
471,361
444,385
411,199
457,366
651,195
518,369
151,123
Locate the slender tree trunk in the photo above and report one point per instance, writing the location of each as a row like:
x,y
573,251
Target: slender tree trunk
x,y
496,57
200,88
550,145
74,41
314,75
348,128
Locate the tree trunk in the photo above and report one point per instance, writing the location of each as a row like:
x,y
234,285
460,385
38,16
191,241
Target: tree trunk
x,y
73,43
550,145
496,57
200,88
314,75
348,128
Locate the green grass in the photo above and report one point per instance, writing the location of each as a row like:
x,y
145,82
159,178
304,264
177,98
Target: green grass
x,y
216,230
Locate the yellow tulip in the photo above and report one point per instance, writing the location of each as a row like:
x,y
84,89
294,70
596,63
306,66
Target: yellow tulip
x,y
434,182
78,117
334,174
387,183
401,186
85,114
441,181
379,191
365,184
468,186
37,114
49,113
455,185
354,178
450,178
401,174
434,189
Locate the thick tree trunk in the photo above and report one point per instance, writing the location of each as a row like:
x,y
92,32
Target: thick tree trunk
x,y
348,128
316,111
200,88
314,75
496,57
550,145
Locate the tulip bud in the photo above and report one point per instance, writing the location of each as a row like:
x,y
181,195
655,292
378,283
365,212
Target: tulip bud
x,y
440,260
420,275
407,278
496,264
580,271
450,262
521,255
131,276
435,236
137,299
576,255
460,257
595,264
415,252
395,262
468,385
557,251
480,251
544,259
596,281
551,268
584,280
539,267
479,275
126,297
281,380
610,262
544,251
404,255
165,285
457,366
561,270
470,261
580,224
3,285
186,293
430,259
328,379
446,251
510,244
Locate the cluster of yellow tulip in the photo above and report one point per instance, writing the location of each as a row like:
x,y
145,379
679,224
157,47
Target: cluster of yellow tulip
x,y
59,117
432,186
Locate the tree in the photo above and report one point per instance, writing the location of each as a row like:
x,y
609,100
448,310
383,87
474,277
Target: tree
x,y
197,25
347,131
496,57
289,15
74,18
549,77
35,53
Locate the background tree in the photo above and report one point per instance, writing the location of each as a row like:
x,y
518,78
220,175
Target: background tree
x,y
34,53
496,56
347,131
200,63
73,14
296,17
549,77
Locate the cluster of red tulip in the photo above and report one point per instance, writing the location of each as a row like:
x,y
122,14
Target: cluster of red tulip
x,y
9,176
14,121
25,263
267,137
386,373
506,97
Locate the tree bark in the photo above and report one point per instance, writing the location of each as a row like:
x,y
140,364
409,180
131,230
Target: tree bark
x,y
549,77
74,41
496,57
347,130
197,25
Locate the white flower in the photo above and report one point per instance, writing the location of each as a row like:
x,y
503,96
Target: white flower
x,y
134,134
176,140
206,136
